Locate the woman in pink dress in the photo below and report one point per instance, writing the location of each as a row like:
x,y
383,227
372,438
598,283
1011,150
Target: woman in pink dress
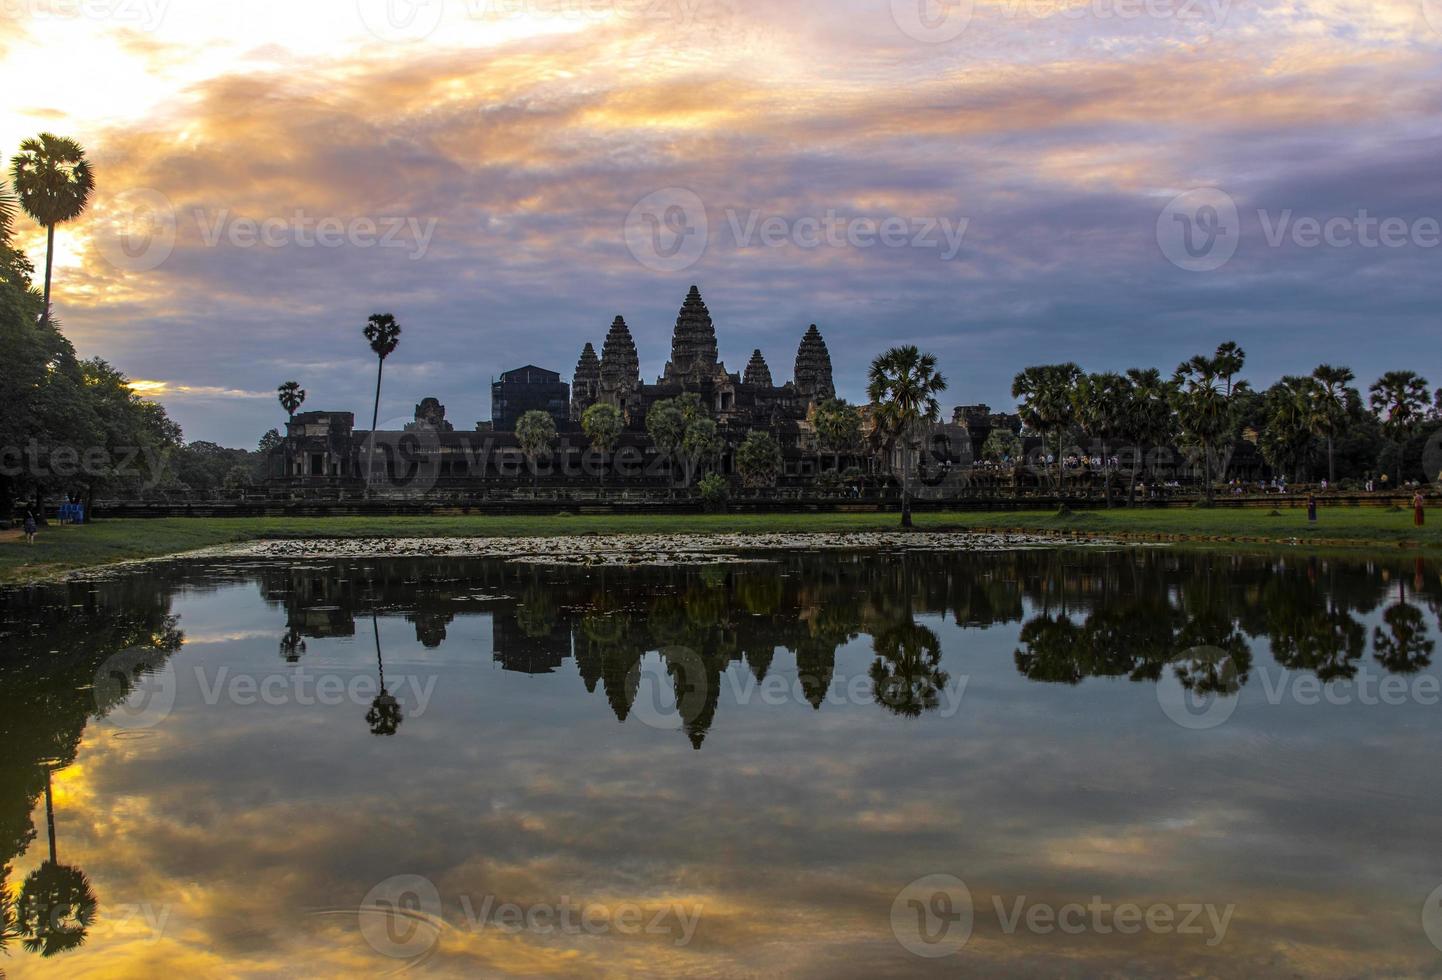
x,y
1419,513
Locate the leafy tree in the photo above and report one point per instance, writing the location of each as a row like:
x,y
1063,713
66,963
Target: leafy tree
x,y
536,432
713,491
54,181
269,441
1046,404
903,384
603,424
292,397
680,429
1002,446
666,425
838,427
700,446
758,459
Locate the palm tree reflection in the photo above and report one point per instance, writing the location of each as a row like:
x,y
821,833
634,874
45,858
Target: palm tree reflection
x,y
56,904
384,716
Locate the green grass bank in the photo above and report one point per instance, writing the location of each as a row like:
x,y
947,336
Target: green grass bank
x,y
62,549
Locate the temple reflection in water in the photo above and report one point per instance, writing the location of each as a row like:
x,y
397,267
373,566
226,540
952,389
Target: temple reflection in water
x,y
1137,616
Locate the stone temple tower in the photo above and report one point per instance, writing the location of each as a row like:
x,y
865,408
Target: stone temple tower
x,y
586,384
693,345
813,368
620,364
757,373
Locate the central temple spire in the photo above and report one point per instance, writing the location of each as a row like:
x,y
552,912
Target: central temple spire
x,y
693,344
620,365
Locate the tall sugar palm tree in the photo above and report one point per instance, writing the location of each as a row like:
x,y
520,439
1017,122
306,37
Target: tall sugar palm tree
x,y
383,333
903,384
54,181
1228,362
1334,401
1047,404
292,397
1101,402
1399,400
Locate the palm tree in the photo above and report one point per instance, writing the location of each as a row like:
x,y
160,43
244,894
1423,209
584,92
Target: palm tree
x,y
1100,402
1229,360
1400,400
384,334
54,181
1333,403
903,384
1202,408
1047,404
1291,407
292,397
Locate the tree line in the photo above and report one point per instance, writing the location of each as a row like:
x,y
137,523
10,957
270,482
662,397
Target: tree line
x,y
1306,427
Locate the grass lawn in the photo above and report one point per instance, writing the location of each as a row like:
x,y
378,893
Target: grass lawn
x,y
60,549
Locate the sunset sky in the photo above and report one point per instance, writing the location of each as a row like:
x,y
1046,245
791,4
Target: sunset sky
x,y
488,171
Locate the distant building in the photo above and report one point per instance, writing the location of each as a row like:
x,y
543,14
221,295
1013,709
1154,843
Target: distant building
x,y
529,389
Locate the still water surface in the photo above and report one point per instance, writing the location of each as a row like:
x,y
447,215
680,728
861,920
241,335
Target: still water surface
x,y
1137,762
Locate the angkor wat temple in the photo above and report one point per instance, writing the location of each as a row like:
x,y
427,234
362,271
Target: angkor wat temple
x,y
744,401
325,448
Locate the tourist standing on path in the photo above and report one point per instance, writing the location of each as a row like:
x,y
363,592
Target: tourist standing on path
x,y
29,528
1419,513
1311,508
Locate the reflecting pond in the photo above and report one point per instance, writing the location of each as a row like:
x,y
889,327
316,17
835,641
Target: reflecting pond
x,y
1143,762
